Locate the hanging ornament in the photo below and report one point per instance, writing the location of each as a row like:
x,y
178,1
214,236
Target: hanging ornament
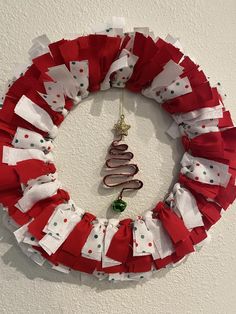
x,y
118,160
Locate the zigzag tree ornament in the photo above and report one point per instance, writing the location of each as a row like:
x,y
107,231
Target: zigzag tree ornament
x,y
118,161
46,222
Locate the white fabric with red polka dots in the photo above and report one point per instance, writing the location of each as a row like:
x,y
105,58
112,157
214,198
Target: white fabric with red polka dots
x,y
179,87
196,122
74,83
200,127
123,74
93,246
12,156
162,241
66,216
130,276
58,222
171,71
117,65
205,170
142,238
80,72
185,206
115,277
168,75
55,102
25,138
111,229
38,117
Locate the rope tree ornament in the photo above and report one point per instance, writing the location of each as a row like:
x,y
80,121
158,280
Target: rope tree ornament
x,y
118,160
46,222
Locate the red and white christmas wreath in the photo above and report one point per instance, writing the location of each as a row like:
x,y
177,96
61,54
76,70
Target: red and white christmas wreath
x,y
47,224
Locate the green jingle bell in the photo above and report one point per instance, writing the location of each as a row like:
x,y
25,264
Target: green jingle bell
x,y
119,205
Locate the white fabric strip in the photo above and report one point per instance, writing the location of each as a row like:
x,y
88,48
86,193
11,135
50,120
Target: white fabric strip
x,y
61,74
201,127
113,32
55,102
161,239
205,170
74,83
170,73
32,254
111,230
23,236
130,44
198,115
12,156
142,239
55,97
117,65
46,178
123,74
53,88
32,113
58,222
179,87
37,258
93,246
196,122
80,72
36,192
39,47
111,28
144,30
185,205
100,275
61,223
29,239
174,41
20,232
29,139
130,276
8,222
19,70
61,268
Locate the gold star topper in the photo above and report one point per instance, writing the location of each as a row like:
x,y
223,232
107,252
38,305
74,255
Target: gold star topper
x,y
121,127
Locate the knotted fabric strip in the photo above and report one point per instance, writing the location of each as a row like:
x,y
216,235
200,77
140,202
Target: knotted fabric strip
x,y
29,111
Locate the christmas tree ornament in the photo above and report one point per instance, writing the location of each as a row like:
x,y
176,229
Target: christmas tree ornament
x,y
47,224
118,160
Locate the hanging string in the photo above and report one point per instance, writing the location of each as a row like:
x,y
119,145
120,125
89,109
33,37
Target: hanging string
x,y
119,159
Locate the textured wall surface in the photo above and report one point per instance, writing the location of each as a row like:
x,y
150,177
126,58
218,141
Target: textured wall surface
x,y
206,282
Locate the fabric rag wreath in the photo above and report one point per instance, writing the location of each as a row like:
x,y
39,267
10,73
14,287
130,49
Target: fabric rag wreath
x,y
47,224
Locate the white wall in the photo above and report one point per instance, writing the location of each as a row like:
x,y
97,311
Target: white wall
x,y
206,283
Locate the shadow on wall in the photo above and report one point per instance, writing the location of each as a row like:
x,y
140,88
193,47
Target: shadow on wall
x,y
14,257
